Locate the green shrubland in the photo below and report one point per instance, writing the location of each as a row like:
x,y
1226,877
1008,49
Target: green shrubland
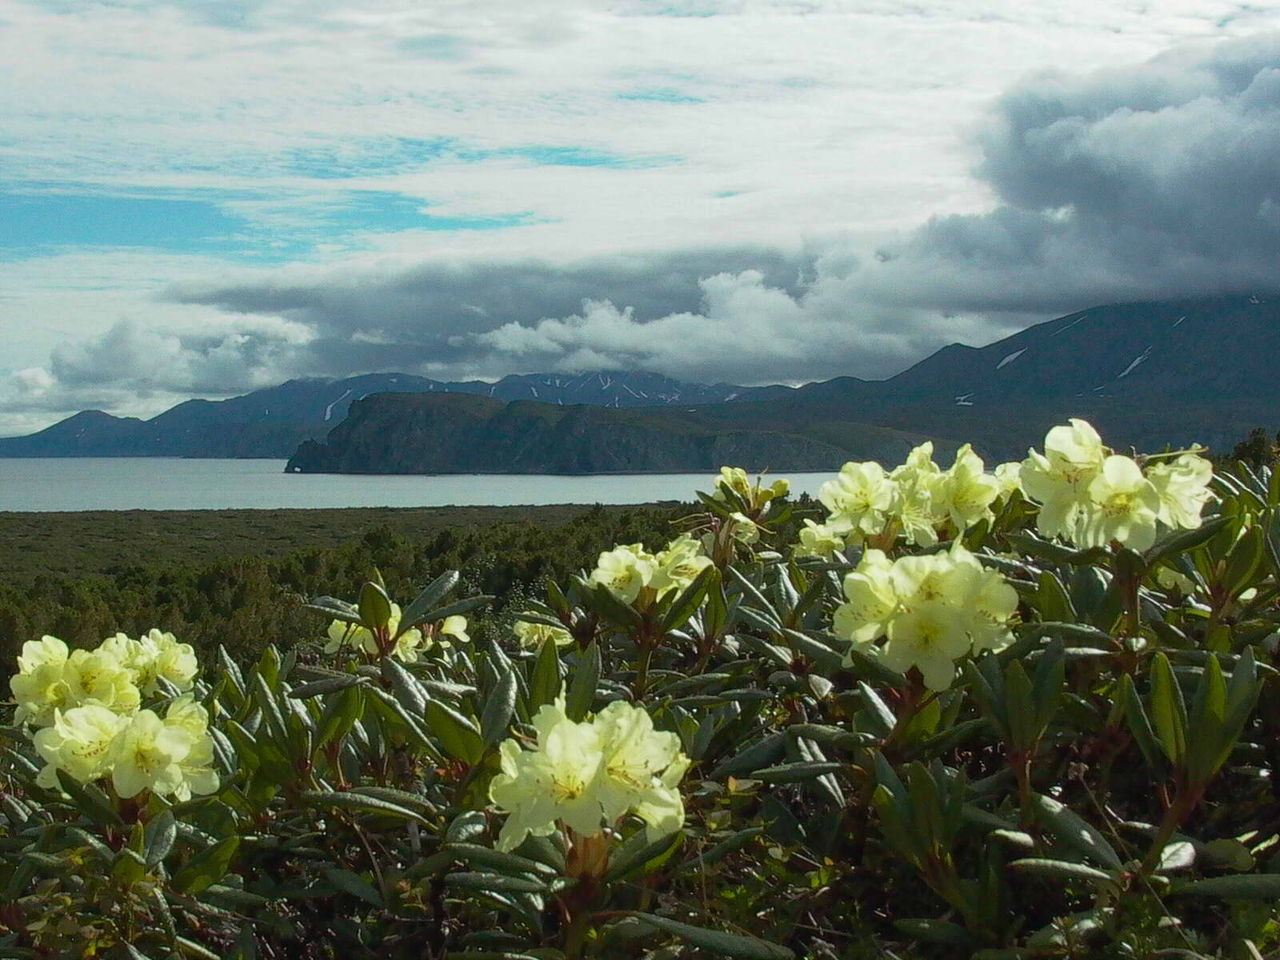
x,y
1026,711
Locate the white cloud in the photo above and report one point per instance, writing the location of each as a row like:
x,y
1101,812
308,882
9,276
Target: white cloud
x,y
822,130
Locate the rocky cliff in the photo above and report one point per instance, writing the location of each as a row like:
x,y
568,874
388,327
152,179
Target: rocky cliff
x,y
417,433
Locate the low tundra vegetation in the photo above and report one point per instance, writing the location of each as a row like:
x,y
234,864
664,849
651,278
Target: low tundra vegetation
x,y
1018,711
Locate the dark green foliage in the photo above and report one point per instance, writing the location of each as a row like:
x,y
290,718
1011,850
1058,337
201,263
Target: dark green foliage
x,y
181,578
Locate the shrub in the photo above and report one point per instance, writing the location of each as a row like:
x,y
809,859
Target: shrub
x,y
1008,713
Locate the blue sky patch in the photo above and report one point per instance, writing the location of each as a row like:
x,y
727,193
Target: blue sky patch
x,y
36,224
659,95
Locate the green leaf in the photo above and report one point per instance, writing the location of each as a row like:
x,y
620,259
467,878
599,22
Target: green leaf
x,y
936,931
582,688
317,688
430,596
340,714
684,605
90,800
1075,832
639,855
716,942
161,831
1139,724
1168,712
1177,542
335,608
207,867
796,772
1243,886
544,685
1060,869
349,882
358,803
500,705
408,691
456,733
495,882
374,606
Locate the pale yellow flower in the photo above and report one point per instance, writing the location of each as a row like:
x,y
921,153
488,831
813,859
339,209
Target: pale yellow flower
x,y
147,755
39,686
533,635
588,775
931,636
174,662
1123,506
625,571
198,776
678,565
966,491
353,636
78,742
1059,478
819,540
859,499
871,600
641,769
556,781
1183,488
919,507
98,676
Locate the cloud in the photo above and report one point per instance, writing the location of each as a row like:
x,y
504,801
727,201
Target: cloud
x,y
243,354
1159,180
761,217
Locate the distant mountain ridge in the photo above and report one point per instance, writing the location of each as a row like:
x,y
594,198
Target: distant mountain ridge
x,y
1147,374
272,422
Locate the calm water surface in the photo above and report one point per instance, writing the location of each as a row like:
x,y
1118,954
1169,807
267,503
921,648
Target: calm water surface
x,y
161,483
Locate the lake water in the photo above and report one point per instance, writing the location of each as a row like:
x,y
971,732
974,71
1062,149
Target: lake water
x,y
162,483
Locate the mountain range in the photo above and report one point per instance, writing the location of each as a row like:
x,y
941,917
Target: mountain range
x,y
272,422
1147,374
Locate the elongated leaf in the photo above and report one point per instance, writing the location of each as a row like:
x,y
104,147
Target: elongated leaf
x,y
1060,869
430,596
335,608
456,733
718,943
582,688
544,685
207,867
358,803
1176,542
317,688
1242,886
374,606
1075,832
354,884
161,831
1168,712
500,705
684,605
501,882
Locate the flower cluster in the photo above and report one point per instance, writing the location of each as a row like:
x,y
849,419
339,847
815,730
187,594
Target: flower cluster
x,y
635,576
588,775
408,646
116,675
533,634
1091,496
915,500
754,496
930,611
87,708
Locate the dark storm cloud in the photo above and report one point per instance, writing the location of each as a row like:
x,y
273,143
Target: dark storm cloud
x,y
1156,181
433,314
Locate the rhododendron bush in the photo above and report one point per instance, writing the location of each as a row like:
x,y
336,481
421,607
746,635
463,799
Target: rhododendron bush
x,y
948,709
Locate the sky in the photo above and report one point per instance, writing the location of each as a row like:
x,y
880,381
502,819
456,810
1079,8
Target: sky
x,y
204,197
